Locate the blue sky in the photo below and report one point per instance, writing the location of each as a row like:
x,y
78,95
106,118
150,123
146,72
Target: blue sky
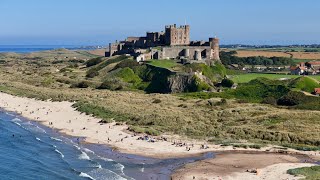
x,y
89,22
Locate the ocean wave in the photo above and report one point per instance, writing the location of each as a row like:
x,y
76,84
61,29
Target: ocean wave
x,y
28,123
88,151
84,156
56,139
142,169
16,120
42,130
9,114
120,167
56,150
105,159
98,166
77,147
17,123
82,174
105,174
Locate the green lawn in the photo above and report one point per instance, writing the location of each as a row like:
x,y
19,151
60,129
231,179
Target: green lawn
x,y
243,78
163,63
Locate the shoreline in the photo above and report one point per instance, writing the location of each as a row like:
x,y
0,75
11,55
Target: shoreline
x,y
132,164
63,118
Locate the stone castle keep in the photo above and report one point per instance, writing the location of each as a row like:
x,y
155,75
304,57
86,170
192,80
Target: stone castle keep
x,y
173,43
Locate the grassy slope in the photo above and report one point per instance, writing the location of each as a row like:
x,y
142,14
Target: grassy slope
x,y
311,173
168,64
128,75
194,118
304,84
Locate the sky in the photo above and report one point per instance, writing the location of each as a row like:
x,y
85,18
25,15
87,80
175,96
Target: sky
x,y
99,22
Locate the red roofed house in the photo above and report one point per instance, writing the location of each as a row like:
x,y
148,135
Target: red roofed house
x,y
317,91
298,70
314,66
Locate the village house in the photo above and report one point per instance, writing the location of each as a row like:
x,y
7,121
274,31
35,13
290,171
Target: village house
x,y
299,69
308,68
316,91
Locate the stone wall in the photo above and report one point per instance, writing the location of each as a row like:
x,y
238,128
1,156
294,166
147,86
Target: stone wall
x,y
192,51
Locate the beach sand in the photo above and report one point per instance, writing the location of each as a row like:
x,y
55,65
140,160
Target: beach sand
x,y
234,166
65,119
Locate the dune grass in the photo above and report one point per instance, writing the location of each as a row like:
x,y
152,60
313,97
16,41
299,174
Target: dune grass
x,y
310,173
197,118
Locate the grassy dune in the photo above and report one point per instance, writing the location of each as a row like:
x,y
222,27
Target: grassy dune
x,y
310,173
213,119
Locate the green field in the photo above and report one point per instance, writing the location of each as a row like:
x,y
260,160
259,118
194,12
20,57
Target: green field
x,y
282,49
244,78
163,63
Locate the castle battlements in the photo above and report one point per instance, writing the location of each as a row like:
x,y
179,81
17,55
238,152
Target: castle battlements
x,y
174,42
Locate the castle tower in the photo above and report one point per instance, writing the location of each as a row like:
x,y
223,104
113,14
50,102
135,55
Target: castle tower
x,y
215,49
197,55
187,53
177,36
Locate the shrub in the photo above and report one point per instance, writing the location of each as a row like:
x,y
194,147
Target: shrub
x,y
259,89
82,84
156,101
128,76
98,111
146,130
126,63
92,73
227,83
291,99
199,85
309,172
66,69
112,84
270,100
94,61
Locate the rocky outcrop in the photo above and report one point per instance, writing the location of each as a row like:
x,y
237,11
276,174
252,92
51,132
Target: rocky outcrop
x,y
166,81
181,83
188,83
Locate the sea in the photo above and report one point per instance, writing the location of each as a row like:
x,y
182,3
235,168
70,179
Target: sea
x,y
36,48
31,151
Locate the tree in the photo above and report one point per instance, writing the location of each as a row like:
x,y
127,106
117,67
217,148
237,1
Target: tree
x,y
227,83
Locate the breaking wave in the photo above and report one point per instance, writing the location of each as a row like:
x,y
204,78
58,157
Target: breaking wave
x,y
56,150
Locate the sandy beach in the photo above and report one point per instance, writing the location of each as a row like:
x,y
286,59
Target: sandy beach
x,y
242,166
65,119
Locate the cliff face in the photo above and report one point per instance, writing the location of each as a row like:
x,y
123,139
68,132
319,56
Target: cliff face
x,y
188,83
181,83
165,81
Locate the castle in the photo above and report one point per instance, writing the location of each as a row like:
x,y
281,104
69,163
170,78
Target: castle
x,y
173,43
